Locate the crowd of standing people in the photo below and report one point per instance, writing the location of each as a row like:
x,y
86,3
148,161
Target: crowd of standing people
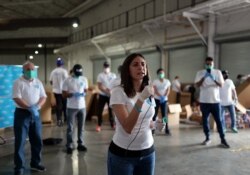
x,y
133,102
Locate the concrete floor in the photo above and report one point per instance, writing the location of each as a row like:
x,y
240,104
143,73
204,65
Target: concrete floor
x,y
179,154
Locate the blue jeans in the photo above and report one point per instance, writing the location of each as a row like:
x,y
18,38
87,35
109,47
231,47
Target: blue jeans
x,y
131,165
231,110
163,107
215,110
25,124
79,115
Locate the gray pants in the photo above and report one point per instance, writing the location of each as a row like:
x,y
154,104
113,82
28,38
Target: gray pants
x,y
80,116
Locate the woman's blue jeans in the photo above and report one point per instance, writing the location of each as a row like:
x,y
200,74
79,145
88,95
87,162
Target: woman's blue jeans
x,y
131,165
231,110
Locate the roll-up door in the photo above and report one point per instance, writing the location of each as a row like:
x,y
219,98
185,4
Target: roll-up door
x,y
186,62
235,57
116,61
97,68
153,59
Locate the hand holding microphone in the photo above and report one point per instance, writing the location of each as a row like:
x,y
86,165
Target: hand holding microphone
x,y
147,92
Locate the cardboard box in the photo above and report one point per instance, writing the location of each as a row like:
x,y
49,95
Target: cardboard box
x,y
185,98
186,112
46,116
172,97
241,108
243,92
174,114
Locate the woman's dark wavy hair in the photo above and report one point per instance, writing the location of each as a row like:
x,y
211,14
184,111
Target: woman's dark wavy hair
x,y
126,79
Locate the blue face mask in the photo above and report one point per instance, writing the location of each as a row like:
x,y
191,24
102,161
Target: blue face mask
x,y
30,74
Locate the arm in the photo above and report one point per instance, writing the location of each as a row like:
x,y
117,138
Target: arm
x,y
103,88
167,91
66,94
127,120
41,102
156,91
199,83
22,103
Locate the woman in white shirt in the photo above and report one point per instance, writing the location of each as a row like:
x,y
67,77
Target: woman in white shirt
x,y
132,148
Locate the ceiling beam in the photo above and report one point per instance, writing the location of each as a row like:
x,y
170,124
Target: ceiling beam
x,y
14,24
28,51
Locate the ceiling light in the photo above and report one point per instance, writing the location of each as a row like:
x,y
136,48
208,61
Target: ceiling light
x,y
31,57
75,24
40,45
36,52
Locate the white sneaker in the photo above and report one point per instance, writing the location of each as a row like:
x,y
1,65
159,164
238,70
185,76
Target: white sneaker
x,y
207,142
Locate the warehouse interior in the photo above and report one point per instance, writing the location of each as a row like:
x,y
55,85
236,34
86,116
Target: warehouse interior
x,y
176,35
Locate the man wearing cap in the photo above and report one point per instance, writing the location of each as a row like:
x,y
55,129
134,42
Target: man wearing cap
x,y
104,82
57,77
74,89
228,97
29,96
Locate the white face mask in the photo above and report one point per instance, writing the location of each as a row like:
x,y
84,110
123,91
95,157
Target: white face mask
x,y
107,70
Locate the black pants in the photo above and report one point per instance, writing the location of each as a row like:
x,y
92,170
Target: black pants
x,y
60,107
101,103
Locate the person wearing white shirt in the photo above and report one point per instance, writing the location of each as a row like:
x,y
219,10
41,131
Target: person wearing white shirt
x,y
57,77
104,82
74,89
132,148
176,86
162,88
209,80
29,96
228,98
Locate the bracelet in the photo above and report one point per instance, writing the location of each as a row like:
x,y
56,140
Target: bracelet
x,y
137,108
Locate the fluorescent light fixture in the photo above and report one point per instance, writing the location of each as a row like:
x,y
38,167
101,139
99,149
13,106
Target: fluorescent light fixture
x,y
31,57
40,45
36,52
75,24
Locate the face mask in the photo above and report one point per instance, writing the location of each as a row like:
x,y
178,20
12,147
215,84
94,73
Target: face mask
x,y
107,70
161,75
78,74
30,74
209,67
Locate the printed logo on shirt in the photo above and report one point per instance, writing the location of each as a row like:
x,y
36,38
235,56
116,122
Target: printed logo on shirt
x,y
36,86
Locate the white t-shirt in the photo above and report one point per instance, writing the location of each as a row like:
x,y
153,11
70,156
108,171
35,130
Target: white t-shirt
x,y
106,80
144,138
226,95
176,85
29,91
209,91
161,87
74,85
115,82
57,76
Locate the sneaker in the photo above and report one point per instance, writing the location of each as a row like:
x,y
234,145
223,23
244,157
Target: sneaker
x,y
98,128
235,130
224,144
81,148
167,132
18,172
39,168
207,142
60,123
69,150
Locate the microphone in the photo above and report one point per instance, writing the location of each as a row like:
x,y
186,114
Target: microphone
x,y
146,81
